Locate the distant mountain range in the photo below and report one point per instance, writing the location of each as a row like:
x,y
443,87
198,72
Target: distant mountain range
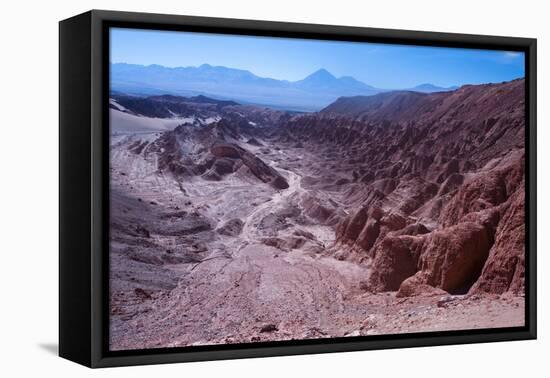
x,y
430,88
310,94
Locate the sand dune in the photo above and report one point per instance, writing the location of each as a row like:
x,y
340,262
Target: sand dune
x,y
129,123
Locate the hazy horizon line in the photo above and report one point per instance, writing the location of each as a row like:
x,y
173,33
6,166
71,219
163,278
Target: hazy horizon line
x,y
454,86
294,81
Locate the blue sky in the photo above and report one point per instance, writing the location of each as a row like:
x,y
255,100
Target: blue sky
x,y
379,65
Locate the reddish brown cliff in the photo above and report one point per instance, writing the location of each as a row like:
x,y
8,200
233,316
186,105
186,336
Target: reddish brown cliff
x,y
433,185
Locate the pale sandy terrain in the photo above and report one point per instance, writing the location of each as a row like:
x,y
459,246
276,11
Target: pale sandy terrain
x,y
123,122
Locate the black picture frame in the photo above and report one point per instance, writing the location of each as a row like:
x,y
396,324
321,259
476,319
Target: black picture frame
x,y
84,187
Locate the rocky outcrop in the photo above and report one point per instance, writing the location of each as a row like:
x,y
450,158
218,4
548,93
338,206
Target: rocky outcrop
x,y
188,152
352,226
452,258
432,194
256,165
489,187
505,266
226,150
395,259
416,285
369,234
482,253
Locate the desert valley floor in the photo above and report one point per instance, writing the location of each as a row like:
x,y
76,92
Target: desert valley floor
x,y
399,212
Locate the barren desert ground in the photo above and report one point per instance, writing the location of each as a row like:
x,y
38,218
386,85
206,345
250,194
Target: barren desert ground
x,y
399,212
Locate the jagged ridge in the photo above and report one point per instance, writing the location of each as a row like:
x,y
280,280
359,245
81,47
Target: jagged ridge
x,y
431,181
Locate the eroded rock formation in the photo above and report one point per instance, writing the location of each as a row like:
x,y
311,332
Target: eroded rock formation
x,y
436,185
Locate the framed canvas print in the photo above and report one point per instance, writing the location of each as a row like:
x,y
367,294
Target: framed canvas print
x,y
234,188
